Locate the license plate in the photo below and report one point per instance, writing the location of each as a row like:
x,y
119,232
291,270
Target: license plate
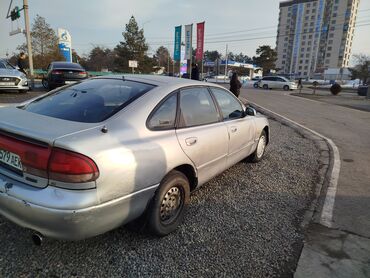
x,y
11,159
70,82
7,83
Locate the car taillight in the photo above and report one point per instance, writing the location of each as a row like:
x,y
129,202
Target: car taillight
x,y
67,166
82,73
57,72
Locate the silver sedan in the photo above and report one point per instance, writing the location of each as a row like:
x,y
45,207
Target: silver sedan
x,y
89,157
12,79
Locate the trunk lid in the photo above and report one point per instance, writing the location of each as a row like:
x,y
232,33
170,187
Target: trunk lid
x,y
21,131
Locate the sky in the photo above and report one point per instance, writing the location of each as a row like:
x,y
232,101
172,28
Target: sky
x,y
241,24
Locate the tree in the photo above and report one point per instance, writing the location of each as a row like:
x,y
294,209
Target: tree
x,y
266,59
241,58
162,56
44,43
362,68
212,55
99,58
133,47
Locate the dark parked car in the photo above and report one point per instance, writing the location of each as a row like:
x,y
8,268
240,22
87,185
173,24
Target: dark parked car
x,y
362,90
63,73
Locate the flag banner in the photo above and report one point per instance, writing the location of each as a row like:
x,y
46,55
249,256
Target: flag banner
x,y
200,41
177,47
188,41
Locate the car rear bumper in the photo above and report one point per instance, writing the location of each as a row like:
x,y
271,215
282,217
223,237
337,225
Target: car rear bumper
x,y
51,218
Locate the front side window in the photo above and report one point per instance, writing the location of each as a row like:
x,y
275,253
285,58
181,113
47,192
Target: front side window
x,y
230,107
197,107
91,101
165,115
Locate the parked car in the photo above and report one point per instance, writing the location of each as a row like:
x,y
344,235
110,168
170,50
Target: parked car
x,y
87,158
12,79
277,82
63,73
362,90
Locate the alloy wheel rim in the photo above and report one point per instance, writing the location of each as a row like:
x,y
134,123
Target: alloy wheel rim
x,y
171,205
261,146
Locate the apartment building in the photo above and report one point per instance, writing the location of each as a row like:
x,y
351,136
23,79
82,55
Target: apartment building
x,y
314,35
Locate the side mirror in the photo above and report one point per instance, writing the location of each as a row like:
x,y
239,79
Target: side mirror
x,y
250,111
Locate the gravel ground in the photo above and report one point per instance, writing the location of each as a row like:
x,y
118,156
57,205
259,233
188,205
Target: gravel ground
x,y
243,223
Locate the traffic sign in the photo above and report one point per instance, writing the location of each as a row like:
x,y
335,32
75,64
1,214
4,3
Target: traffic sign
x,y
132,64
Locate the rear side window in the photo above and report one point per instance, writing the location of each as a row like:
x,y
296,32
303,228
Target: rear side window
x,y
197,107
164,116
91,101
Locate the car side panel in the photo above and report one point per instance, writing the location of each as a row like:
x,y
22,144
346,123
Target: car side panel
x,y
242,137
207,147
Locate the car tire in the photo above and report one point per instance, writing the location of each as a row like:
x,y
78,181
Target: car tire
x,y
167,208
286,88
44,83
255,85
22,91
259,152
265,86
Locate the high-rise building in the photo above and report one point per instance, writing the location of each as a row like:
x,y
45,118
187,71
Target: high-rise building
x,y
314,35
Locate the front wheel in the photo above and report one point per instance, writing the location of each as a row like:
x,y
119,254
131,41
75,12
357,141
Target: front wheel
x,y
255,85
166,210
257,155
286,88
265,86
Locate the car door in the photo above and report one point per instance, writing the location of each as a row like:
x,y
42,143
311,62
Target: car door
x,y
201,134
281,82
241,128
273,83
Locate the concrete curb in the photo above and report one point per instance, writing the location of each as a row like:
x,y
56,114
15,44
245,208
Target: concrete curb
x,y
325,164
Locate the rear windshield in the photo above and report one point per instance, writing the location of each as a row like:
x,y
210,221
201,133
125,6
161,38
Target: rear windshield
x,y
91,101
66,66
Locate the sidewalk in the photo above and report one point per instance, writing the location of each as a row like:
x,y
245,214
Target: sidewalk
x,y
333,253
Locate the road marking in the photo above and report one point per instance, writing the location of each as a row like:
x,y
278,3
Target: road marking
x,y
326,218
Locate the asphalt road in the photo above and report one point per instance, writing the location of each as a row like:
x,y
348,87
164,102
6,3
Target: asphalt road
x,y
350,131
243,223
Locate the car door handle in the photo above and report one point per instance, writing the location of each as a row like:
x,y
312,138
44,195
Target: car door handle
x,y
234,129
191,141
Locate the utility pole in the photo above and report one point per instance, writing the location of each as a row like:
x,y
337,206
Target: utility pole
x,y
168,59
28,37
227,58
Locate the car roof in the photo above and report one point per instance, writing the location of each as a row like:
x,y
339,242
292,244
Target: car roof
x,y
159,80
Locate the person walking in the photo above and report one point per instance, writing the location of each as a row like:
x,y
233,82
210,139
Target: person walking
x,y
21,63
235,85
300,83
194,72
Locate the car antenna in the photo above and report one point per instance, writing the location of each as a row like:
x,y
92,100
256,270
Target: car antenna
x,y
104,129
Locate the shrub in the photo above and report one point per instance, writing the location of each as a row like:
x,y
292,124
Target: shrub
x,y
335,89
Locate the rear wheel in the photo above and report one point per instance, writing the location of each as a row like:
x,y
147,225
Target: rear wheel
x,y
265,86
167,208
257,155
45,84
286,88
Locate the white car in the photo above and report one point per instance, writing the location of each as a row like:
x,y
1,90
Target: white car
x,y
12,79
277,82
